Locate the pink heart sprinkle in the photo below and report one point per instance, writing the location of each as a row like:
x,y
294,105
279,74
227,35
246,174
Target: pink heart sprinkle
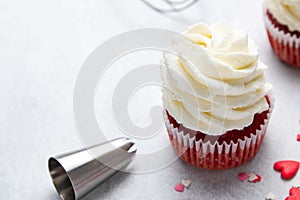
x,y
243,176
179,187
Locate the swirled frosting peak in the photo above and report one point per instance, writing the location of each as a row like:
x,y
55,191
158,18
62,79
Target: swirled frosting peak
x,y
287,12
213,80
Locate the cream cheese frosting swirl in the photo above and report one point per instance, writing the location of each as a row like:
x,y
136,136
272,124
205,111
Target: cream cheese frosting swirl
x,y
213,80
287,12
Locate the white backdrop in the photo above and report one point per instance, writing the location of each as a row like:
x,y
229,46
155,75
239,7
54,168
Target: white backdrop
x,y
42,47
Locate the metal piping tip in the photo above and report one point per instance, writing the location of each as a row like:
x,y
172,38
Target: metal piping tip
x,y
76,173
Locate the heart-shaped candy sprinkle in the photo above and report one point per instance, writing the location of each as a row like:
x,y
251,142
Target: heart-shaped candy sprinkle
x,y
294,194
186,183
270,196
254,178
179,187
288,168
243,176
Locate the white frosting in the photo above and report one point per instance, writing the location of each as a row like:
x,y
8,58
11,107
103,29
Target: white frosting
x,y
286,12
215,83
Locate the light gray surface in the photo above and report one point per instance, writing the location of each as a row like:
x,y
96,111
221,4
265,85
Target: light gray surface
x,y
42,46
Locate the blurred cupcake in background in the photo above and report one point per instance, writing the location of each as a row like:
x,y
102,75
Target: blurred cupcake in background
x,y
282,19
216,98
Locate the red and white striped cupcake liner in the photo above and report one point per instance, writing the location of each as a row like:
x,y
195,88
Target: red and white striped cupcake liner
x,y
285,45
215,156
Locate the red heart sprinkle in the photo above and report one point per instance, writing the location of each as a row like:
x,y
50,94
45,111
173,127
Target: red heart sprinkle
x,y
179,187
298,137
258,179
243,176
288,168
294,194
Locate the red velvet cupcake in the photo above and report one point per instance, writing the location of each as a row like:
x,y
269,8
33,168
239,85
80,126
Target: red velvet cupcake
x,y
282,19
216,99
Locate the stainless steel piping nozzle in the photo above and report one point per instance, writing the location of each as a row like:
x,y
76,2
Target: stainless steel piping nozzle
x,y
76,173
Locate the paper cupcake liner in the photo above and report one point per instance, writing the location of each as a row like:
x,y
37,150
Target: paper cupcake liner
x,y
204,154
285,45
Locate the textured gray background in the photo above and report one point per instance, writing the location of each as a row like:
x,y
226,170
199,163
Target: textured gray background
x,y
42,46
